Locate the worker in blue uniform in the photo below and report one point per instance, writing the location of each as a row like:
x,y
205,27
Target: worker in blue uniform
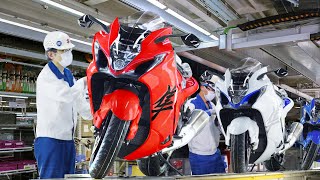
x,y
204,155
59,99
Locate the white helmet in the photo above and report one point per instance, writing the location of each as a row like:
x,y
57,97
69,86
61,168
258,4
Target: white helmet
x,y
57,40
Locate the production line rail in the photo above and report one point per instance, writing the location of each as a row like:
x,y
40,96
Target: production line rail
x,y
285,175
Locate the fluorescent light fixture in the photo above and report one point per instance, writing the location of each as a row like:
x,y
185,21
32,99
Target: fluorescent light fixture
x,y
12,96
67,9
170,11
38,30
82,42
23,26
4,101
214,37
158,4
57,5
33,103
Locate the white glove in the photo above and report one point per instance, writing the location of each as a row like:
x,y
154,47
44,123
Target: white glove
x,y
212,111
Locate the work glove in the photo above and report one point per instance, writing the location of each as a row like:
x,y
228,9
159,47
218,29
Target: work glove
x,y
210,111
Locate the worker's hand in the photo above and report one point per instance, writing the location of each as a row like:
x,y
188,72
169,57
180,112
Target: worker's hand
x,y
212,111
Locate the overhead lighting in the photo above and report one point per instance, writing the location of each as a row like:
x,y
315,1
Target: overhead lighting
x,y
70,10
33,103
60,6
170,11
38,30
82,42
12,96
23,26
214,37
158,4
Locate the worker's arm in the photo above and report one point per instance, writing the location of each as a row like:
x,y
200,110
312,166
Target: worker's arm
x,y
60,90
83,106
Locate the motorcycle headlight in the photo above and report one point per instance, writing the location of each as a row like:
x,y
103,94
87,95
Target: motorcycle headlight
x,y
262,90
123,54
237,93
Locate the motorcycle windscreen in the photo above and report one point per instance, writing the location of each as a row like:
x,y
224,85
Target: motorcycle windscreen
x,y
240,77
133,30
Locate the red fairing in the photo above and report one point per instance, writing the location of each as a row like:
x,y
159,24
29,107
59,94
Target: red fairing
x,y
166,87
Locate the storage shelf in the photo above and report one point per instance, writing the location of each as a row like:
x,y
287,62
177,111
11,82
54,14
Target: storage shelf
x,y
83,163
16,95
14,126
12,150
18,171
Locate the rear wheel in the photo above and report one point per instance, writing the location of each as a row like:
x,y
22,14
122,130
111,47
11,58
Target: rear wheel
x,y
310,155
240,152
107,146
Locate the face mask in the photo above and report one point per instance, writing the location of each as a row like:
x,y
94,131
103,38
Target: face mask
x,y
209,96
66,59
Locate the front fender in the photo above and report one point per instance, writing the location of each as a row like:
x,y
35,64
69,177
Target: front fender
x,y
241,125
125,105
313,136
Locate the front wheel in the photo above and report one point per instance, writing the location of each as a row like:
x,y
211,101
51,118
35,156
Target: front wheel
x,y
107,146
240,152
309,155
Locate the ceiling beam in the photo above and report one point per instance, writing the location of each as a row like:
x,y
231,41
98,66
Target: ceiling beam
x,y
295,91
202,61
147,6
94,2
35,35
311,49
203,15
36,56
254,5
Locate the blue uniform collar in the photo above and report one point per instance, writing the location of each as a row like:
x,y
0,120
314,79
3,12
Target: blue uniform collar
x,y
67,76
202,103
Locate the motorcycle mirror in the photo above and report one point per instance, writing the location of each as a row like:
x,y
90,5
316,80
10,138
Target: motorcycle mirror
x,y
191,40
85,21
281,72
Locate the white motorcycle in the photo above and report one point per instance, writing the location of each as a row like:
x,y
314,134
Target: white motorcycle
x,y
251,111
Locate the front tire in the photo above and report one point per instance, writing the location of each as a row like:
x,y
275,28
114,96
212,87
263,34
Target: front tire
x,y
107,146
309,156
240,152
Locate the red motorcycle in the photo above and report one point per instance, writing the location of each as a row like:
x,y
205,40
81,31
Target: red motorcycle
x,y
137,91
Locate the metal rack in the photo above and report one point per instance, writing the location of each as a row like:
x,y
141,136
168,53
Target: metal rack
x,y
13,150
18,171
16,95
17,127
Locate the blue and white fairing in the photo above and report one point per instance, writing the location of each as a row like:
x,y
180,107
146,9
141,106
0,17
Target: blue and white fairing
x,y
254,105
311,120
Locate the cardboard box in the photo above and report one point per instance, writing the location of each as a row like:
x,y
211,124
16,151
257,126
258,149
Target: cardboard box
x,y
85,128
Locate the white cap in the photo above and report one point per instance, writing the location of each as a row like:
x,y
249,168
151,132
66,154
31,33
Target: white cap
x,y
57,40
